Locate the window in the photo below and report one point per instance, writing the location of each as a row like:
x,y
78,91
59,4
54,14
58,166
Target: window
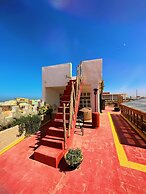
x,y
85,100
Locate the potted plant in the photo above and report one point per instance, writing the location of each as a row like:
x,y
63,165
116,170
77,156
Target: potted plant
x,y
74,157
45,110
116,107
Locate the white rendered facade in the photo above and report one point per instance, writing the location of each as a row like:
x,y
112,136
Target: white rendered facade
x,y
55,78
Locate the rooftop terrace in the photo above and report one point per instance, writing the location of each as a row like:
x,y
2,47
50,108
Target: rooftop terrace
x,y
114,162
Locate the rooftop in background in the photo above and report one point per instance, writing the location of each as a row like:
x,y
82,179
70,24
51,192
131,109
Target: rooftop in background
x,y
8,102
137,104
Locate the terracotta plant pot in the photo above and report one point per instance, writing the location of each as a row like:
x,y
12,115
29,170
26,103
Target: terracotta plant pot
x,y
74,158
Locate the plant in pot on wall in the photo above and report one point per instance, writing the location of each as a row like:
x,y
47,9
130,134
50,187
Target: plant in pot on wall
x,y
45,110
74,157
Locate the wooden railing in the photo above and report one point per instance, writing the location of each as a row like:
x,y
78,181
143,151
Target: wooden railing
x,y
71,108
72,104
135,117
64,124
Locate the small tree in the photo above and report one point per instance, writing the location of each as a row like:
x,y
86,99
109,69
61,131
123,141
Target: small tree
x,y
28,124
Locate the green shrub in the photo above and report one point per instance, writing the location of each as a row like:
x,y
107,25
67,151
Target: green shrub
x,y
29,124
74,157
45,109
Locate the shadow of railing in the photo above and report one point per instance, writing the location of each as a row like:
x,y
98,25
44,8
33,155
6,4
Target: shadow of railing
x,y
39,135
87,124
126,134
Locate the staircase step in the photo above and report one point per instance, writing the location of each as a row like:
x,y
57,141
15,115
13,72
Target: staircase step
x,y
65,98
60,109
67,92
55,142
57,132
64,102
48,155
51,148
70,82
68,89
60,116
59,123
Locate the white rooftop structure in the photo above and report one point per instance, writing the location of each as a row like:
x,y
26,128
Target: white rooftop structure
x,y
55,78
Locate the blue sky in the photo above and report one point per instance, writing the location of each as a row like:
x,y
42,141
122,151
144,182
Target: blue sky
x,y
40,33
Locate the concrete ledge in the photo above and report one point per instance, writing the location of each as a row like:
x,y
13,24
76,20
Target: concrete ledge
x,y
9,137
11,145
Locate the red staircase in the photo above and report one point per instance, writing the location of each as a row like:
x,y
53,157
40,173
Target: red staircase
x,y
51,149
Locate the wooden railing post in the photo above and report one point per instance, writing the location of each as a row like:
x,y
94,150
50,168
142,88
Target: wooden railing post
x,y
64,124
141,122
70,111
135,117
73,98
74,95
77,87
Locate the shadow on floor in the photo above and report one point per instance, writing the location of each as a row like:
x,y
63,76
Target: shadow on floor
x,y
38,141
87,124
78,132
63,166
126,134
31,157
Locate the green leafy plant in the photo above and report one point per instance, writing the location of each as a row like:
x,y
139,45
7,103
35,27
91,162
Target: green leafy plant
x,y
74,157
45,109
29,124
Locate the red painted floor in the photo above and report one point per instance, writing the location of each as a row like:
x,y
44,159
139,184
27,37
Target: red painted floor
x,y
134,145
99,172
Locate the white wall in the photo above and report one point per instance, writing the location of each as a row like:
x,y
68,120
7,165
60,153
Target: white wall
x,y
52,95
92,75
54,76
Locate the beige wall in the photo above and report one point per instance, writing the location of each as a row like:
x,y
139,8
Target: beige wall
x,y
54,77
53,95
92,75
54,80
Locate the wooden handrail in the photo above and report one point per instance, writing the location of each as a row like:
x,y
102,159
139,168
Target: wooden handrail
x,y
72,104
136,117
74,95
64,124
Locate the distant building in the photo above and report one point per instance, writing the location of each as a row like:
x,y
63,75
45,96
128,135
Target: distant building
x,y
22,100
115,97
7,105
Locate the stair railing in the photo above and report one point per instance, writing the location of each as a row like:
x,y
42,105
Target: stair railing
x,y
72,104
78,79
71,108
74,96
64,124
